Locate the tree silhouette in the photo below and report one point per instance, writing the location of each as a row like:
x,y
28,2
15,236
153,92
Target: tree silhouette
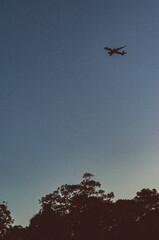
x,y
84,211
46,225
148,224
15,233
61,200
81,205
5,219
149,199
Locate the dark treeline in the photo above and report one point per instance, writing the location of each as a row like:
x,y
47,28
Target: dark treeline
x,y
84,212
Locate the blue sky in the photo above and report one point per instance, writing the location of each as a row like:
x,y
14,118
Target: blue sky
x,y
67,107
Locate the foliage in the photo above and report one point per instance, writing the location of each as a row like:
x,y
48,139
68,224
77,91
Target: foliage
x,y
5,219
84,211
63,199
149,199
16,232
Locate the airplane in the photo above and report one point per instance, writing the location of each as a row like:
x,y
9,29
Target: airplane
x,y
115,50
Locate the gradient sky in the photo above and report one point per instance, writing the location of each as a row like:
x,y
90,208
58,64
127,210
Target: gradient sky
x,y
67,107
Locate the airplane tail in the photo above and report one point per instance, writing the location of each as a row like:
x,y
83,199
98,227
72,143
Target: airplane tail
x,y
123,52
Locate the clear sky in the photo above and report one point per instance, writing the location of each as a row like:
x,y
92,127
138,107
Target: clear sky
x,y
67,107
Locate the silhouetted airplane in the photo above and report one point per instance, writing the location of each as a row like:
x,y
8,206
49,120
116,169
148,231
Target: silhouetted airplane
x,y
115,50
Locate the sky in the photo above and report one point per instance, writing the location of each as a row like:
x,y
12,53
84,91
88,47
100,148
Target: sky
x,y
67,107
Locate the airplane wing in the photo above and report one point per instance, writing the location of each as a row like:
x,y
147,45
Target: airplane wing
x,y
109,49
120,48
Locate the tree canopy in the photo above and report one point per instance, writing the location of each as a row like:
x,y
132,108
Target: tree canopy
x,y
84,211
64,198
5,219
